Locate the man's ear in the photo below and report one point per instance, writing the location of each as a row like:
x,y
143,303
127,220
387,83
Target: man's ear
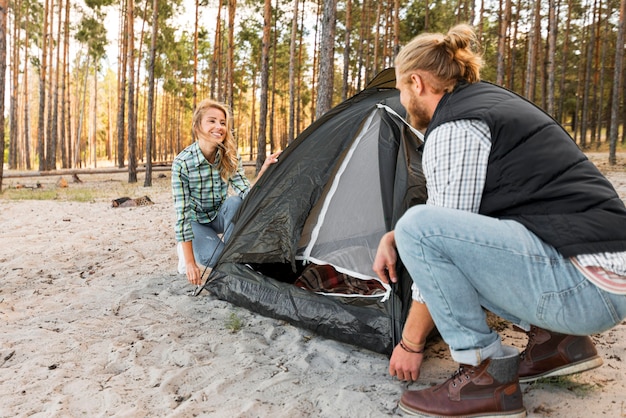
x,y
417,83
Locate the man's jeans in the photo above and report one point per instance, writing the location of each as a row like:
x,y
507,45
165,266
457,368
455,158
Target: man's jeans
x,y
462,262
207,244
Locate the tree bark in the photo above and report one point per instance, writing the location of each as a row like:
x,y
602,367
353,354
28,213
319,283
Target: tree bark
x,y
150,109
121,110
327,51
265,60
618,81
3,69
41,145
292,71
132,118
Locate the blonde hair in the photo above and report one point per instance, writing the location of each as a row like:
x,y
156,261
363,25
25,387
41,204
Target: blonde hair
x,y
444,59
229,160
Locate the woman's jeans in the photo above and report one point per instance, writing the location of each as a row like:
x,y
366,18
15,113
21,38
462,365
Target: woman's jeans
x,y
207,244
462,262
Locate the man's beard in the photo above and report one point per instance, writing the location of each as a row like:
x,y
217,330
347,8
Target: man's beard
x,y
417,115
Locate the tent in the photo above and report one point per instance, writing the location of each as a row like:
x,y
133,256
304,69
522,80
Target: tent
x,y
337,188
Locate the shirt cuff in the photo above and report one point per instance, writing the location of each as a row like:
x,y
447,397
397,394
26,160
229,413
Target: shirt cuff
x,y
416,294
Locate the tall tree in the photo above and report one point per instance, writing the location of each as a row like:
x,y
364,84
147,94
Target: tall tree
x,y
325,85
292,71
346,51
551,56
121,96
232,7
564,59
3,70
618,81
66,130
195,53
41,150
586,81
132,120
51,137
15,73
150,111
265,61
504,22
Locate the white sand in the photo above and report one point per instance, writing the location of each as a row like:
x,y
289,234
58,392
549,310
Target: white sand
x,y
95,321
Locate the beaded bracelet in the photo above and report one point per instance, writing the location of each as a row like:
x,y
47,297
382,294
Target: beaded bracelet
x,y
408,350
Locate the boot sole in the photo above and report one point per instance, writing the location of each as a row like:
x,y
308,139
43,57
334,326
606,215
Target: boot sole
x,y
571,368
512,414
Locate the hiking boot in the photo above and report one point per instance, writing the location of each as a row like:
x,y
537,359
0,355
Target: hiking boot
x,y
489,389
550,354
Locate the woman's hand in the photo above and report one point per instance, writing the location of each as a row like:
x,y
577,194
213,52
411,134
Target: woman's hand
x,y
194,274
272,159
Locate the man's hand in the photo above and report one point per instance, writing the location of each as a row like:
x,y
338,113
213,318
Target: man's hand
x,y
386,259
404,365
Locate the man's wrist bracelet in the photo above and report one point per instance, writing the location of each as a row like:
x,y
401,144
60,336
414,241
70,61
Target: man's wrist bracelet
x,y
413,345
409,350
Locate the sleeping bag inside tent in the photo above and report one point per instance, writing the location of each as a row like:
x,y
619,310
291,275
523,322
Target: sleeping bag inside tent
x,y
305,237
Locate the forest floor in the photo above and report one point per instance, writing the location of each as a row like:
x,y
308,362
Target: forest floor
x,y
96,321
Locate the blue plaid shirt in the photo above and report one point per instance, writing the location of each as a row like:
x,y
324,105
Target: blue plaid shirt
x,y
199,190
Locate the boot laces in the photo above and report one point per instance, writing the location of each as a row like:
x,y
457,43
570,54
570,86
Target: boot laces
x,y
463,374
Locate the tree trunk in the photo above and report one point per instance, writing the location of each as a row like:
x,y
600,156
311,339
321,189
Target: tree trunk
x,y
604,63
325,83
618,81
315,59
150,110
132,117
272,108
230,62
587,83
195,54
214,65
265,61
66,129
345,85
26,139
292,71
41,145
52,93
552,19
564,66
121,110
505,20
3,70
15,73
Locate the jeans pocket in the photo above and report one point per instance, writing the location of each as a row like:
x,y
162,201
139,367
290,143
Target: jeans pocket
x,y
582,309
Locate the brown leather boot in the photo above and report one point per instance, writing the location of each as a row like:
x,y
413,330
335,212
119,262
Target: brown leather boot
x,y
490,388
550,354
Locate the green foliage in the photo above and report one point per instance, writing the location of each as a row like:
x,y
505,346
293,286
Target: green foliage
x,y
567,383
234,323
91,32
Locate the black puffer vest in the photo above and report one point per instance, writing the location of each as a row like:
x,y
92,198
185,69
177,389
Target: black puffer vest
x,y
537,175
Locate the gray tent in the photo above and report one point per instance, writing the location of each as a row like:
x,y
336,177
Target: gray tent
x,y
335,191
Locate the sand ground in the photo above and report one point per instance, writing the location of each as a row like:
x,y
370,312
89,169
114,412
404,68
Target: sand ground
x,y
95,322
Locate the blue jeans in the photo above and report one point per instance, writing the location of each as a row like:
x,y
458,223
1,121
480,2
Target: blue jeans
x,y
207,244
462,262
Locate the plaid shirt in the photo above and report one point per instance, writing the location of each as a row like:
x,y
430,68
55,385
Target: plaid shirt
x,y
199,190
